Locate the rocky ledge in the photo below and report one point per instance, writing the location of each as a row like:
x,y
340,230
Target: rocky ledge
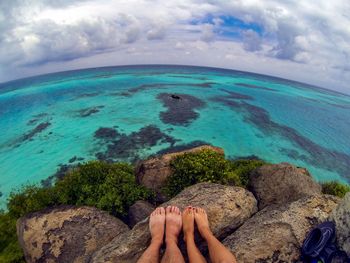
x,y
266,223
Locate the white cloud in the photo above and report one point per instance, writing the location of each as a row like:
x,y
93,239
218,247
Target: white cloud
x,y
302,40
207,32
157,30
251,40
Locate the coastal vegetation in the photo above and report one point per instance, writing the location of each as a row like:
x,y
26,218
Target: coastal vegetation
x,y
208,166
335,188
110,187
113,187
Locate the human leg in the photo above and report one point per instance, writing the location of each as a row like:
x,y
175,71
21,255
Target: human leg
x,y
156,227
194,255
217,251
173,225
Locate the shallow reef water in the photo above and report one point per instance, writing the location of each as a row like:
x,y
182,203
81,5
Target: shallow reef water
x,y
52,122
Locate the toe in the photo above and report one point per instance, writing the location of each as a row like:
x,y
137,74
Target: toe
x,y
162,210
168,209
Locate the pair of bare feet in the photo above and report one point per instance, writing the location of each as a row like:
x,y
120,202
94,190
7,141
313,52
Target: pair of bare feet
x,y
170,221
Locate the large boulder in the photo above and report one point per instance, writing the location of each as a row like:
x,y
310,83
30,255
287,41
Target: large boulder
x,y
341,217
227,207
154,172
276,233
139,211
281,183
66,234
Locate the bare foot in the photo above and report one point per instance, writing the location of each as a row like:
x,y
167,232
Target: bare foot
x,y
188,223
173,221
202,222
156,225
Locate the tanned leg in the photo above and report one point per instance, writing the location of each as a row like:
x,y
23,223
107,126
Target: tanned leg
x,y
156,227
194,255
217,251
173,225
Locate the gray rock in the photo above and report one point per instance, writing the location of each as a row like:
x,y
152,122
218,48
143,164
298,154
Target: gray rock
x,y
66,234
227,207
281,183
341,216
276,233
139,211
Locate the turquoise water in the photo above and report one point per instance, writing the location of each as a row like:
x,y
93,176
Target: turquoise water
x,y
127,113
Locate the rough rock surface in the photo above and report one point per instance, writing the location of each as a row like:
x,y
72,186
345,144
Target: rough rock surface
x,y
139,211
153,173
281,183
341,217
276,233
227,207
66,234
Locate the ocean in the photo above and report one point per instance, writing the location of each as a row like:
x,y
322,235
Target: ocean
x,y
51,122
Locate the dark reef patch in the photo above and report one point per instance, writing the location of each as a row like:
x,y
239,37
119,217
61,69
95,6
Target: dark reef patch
x,y
318,156
123,146
253,86
62,170
37,118
227,102
248,157
106,133
293,154
342,106
38,129
86,112
85,95
236,95
121,94
88,95
179,111
182,147
189,77
75,159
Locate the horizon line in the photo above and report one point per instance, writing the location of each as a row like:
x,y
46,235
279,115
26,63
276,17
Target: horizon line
x,y
312,86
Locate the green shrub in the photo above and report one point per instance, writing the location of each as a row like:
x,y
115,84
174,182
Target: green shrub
x,y
207,166
243,167
110,187
30,198
10,250
335,188
192,168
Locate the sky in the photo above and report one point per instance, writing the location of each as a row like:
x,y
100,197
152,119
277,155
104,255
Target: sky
x,y
306,41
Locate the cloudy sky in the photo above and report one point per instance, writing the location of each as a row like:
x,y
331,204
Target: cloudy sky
x,y
307,41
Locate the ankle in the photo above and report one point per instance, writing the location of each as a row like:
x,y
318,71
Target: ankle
x,y
188,237
205,232
157,241
171,240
